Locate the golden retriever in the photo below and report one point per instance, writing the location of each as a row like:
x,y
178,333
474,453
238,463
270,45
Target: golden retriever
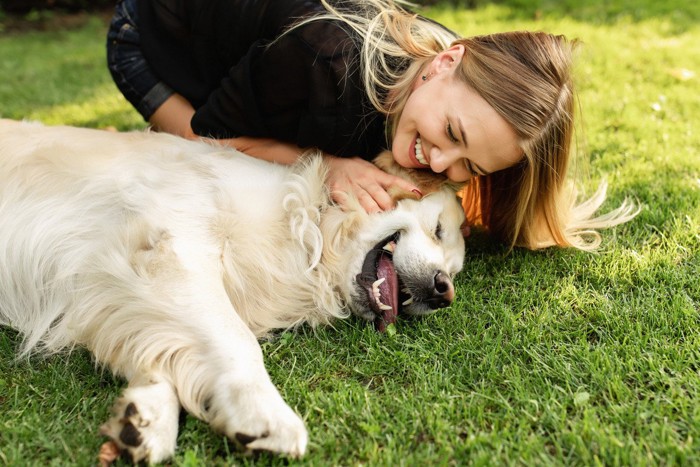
x,y
169,258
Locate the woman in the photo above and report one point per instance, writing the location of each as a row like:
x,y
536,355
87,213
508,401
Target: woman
x,y
273,77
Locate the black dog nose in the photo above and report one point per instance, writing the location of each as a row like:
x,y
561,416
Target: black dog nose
x,y
443,291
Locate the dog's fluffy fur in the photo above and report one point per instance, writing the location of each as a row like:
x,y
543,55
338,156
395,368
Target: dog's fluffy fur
x,y
168,258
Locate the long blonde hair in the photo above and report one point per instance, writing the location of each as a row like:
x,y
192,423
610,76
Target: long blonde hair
x,y
526,77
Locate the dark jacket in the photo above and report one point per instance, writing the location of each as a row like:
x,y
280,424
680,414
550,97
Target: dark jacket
x,y
303,88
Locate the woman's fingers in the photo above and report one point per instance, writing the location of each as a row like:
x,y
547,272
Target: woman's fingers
x,y
365,181
379,197
401,183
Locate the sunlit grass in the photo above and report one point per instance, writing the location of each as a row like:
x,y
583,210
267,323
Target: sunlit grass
x,y
61,77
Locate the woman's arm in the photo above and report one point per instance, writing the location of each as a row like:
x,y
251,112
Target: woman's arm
x,y
174,117
346,175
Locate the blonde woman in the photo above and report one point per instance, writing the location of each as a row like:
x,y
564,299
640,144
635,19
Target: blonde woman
x,y
352,78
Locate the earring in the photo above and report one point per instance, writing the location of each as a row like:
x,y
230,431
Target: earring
x,y
427,77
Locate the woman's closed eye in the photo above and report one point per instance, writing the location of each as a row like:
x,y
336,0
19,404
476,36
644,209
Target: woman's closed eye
x,y
467,163
451,134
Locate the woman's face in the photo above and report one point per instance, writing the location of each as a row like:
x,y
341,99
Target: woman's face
x,y
448,128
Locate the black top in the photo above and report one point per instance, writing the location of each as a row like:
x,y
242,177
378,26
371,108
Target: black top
x,y
304,88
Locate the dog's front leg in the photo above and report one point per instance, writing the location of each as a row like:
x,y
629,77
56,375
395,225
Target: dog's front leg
x,y
188,341
237,396
243,403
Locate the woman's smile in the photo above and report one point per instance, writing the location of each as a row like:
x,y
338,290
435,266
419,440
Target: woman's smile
x,y
420,156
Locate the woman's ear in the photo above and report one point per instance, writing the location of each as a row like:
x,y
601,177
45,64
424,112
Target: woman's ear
x,y
447,59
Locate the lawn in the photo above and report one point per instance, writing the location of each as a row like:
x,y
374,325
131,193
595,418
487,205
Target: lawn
x,y
546,358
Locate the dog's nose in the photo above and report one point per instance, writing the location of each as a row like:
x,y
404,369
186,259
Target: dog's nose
x,y
443,291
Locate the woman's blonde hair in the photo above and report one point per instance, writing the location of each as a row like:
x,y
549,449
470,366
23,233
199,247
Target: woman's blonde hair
x,y
526,77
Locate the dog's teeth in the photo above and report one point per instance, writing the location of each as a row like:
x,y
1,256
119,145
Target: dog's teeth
x,y
389,247
375,288
408,301
378,296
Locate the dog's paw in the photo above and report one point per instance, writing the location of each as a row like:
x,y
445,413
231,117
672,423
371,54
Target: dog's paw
x,y
144,423
257,419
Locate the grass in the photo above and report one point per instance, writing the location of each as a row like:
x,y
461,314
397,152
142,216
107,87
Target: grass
x,y
546,358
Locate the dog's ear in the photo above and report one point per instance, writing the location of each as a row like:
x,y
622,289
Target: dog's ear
x,y
426,180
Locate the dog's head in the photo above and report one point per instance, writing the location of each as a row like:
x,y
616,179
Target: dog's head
x,y
403,260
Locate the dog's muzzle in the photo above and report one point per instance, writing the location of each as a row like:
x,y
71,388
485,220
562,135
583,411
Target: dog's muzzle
x,y
388,294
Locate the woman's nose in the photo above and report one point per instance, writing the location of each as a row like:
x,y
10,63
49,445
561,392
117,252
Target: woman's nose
x,y
438,162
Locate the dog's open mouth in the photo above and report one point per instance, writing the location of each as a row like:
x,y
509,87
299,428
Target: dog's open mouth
x,y
382,283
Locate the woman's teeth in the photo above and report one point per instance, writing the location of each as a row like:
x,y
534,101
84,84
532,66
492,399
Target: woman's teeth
x,y
419,152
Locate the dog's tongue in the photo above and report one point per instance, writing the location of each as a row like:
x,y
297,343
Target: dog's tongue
x,y
388,292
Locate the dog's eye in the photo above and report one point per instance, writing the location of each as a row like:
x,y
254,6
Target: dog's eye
x,y
438,231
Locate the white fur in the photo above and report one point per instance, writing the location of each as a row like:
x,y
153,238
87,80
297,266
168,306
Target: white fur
x,y
168,259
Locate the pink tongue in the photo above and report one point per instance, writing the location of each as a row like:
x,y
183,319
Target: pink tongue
x,y
388,291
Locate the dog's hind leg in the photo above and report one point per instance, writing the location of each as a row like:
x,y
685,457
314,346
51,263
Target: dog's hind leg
x,y
145,421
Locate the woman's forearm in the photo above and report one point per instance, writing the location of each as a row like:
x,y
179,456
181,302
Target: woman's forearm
x,y
265,148
175,114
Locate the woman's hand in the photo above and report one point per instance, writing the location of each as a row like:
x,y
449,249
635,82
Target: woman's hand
x,y
368,182
345,175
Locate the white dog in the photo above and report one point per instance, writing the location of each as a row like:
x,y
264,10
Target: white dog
x,y
168,258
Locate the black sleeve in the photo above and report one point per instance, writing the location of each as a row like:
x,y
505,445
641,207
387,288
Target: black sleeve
x,y
301,89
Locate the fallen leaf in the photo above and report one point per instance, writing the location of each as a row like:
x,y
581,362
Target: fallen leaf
x,y
109,452
581,398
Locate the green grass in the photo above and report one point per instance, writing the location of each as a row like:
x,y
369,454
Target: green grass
x,y
547,358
